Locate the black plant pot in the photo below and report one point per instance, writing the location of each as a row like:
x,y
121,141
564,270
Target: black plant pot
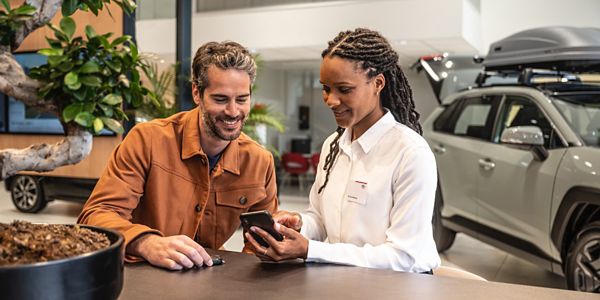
x,y
94,275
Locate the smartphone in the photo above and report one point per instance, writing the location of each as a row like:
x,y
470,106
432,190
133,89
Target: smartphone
x,y
263,220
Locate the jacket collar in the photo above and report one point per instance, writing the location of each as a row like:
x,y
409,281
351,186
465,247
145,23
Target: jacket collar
x,y
190,144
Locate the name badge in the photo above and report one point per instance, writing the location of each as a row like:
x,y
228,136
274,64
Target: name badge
x,y
357,192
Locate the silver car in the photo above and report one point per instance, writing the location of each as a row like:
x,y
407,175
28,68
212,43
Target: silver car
x,y
519,168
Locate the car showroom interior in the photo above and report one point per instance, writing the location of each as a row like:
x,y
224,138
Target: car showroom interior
x,y
204,149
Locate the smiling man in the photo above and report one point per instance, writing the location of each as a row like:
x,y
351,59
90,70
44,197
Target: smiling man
x,y
178,185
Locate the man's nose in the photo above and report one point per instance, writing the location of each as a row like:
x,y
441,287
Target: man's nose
x,y
231,109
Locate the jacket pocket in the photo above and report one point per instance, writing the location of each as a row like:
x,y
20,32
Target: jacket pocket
x,y
240,198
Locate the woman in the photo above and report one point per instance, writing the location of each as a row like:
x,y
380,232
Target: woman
x,y
373,197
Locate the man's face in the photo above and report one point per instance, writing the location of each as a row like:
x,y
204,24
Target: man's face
x,y
225,103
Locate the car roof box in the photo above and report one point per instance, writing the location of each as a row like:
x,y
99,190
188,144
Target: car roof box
x,y
556,48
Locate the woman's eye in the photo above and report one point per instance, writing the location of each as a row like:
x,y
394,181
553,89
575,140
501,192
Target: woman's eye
x,y
345,90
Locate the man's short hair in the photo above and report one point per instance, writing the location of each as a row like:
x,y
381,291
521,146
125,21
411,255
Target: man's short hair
x,y
225,55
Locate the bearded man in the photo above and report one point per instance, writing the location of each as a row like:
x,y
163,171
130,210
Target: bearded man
x,y
176,186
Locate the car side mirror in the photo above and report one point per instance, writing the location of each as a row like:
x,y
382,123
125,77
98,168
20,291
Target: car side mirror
x,y
526,136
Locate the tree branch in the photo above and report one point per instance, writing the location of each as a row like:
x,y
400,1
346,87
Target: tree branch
x,y
76,146
46,9
14,83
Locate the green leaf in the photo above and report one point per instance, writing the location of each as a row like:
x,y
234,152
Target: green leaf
x,y
69,7
61,36
112,124
98,125
93,81
67,25
6,5
89,67
107,109
54,43
134,51
71,111
120,40
84,119
26,9
66,66
79,94
114,64
51,52
112,99
55,60
90,32
71,78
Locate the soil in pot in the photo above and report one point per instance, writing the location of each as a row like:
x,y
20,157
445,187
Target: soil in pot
x,y
25,243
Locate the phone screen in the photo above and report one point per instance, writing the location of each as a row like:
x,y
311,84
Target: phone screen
x,y
263,220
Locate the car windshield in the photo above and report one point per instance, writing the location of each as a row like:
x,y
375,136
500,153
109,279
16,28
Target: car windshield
x,y
582,112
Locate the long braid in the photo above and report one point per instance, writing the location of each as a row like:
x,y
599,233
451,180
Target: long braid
x,y
334,149
376,56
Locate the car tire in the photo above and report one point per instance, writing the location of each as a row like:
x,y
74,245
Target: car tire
x,y
582,267
444,237
26,193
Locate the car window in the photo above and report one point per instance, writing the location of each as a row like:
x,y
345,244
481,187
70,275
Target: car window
x,y
444,120
582,112
521,111
475,117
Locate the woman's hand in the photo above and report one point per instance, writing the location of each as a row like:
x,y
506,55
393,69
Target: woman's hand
x,y
291,220
293,245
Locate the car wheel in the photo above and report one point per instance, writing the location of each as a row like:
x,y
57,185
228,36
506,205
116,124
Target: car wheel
x,y
444,237
583,260
27,195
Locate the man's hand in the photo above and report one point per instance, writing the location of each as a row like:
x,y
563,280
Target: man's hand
x,y
172,252
294,245
291,220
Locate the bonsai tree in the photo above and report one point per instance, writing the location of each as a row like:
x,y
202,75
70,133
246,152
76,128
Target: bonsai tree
x,y
85,80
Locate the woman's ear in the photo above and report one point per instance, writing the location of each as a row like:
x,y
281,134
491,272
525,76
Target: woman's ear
x,y
379,82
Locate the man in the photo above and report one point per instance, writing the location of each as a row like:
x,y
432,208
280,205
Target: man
x,y
177,185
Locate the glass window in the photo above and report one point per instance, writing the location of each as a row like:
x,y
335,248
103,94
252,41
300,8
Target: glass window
x,y
444,120
582,112
475,117
520,111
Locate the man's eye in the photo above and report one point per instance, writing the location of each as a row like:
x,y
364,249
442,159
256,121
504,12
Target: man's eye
x,y
221,100
326,89
242,100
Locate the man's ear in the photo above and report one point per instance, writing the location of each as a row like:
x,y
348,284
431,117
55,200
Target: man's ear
x,y
196,94
379,82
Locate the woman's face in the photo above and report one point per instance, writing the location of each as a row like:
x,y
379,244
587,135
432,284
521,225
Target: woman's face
x,y
350,94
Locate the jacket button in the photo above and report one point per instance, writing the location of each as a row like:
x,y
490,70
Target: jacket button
x,y
198,208
243,200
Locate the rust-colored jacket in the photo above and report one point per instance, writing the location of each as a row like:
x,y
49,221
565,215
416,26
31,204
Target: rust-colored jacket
x,y
158,180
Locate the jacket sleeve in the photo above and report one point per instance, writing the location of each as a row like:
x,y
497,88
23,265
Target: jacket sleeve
x,y
120,188
409,245
270,203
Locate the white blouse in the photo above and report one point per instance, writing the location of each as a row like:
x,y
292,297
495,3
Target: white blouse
x,y
376,209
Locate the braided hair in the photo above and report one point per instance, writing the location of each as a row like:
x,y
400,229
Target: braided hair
x,y
374,54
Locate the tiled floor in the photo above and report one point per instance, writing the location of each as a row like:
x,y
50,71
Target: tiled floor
x,y
466,253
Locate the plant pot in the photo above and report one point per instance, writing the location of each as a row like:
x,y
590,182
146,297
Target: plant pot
x,y
94,275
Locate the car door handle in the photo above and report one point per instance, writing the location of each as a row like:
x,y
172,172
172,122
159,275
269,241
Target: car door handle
x,y
486,164
439,149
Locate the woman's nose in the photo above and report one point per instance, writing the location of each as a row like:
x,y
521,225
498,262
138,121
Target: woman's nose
x,y
331,100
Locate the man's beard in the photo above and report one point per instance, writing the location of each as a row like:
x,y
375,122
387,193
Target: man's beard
x,y
211,128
